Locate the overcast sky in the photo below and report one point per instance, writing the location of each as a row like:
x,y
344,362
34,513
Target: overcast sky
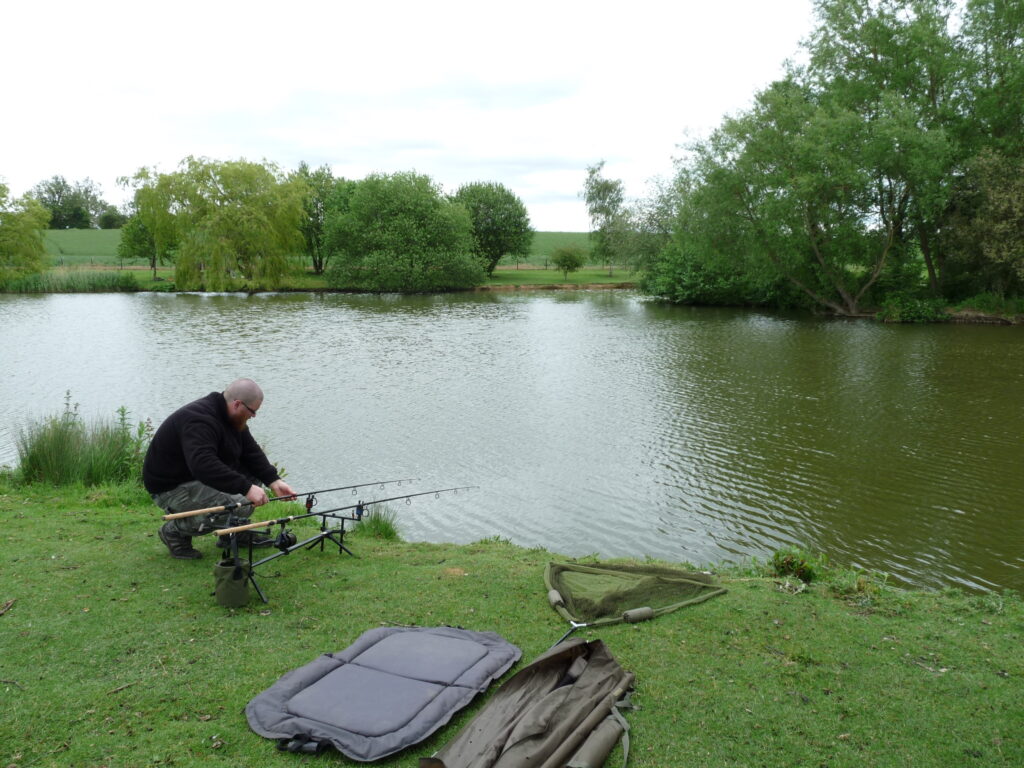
x,y
524,93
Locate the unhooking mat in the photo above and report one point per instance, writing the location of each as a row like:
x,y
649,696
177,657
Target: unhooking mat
x,y
605,593
391,688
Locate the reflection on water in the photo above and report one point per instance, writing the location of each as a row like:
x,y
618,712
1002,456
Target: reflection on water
x,y
591,421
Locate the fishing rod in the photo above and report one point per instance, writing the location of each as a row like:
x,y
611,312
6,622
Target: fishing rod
x,y
359,507
310,501
380,483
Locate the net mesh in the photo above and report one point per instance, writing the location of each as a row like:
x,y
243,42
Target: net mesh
x,y
604,592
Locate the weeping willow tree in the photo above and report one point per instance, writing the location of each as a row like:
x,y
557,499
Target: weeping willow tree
x,y
21,240
227,223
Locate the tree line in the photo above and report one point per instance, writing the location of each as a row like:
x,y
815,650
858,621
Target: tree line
x,y
886,169
76,204
224,222
229,224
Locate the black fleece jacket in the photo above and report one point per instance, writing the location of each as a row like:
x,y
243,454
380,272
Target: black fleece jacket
x,y
199,442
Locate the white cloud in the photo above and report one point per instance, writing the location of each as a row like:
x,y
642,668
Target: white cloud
x,y
527,94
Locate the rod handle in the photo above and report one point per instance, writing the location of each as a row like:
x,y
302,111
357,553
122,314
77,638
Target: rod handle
x,y
246,527
194,512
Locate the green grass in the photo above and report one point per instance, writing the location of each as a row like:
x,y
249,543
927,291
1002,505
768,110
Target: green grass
x,y
69,247
117,655
552,277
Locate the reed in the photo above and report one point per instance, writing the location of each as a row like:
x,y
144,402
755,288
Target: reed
x,y
64,449
74,281
381,522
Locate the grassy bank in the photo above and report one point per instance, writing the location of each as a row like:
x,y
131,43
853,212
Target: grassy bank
x,y
113,280
117,655
86,261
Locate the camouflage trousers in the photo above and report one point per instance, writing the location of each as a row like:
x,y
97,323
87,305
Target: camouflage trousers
x,y
195,495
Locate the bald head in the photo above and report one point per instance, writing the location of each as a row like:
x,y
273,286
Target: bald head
x,y
246,390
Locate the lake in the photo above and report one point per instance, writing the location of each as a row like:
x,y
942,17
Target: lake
x,y
589,421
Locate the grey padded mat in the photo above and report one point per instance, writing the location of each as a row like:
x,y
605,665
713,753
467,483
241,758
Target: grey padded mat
x,y
391,688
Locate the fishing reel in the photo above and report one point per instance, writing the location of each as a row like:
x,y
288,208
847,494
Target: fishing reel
x,y
285,540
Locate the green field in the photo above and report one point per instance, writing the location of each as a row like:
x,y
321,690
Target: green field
x,y
546,242
69,247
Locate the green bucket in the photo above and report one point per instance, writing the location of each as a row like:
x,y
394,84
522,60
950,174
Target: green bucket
x,y
231,583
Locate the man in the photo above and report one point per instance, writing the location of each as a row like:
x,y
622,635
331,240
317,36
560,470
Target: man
x,y
203,456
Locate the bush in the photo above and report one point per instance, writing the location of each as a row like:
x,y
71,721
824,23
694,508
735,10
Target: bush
x,y
568,258
399,233
900,308
793,561
64,450
387,272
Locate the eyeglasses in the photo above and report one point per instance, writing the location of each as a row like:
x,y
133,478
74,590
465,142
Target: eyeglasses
x,y
250,410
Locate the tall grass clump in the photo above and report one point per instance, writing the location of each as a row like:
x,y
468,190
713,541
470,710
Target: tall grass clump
x,y
66,450
380,522
75,281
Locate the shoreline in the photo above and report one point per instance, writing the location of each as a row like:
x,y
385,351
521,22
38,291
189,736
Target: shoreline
x,y
958,316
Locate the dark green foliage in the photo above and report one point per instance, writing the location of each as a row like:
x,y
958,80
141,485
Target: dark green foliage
x,y
985,241
321,193
690,271
137,242
501,225
793,561
398,233
900,308
568,258
889,164
111,218
71,206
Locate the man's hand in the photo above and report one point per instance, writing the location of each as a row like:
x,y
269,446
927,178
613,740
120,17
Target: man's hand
x,y
257,495
281,489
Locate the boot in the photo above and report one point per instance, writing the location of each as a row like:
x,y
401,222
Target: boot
x,y
179,545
